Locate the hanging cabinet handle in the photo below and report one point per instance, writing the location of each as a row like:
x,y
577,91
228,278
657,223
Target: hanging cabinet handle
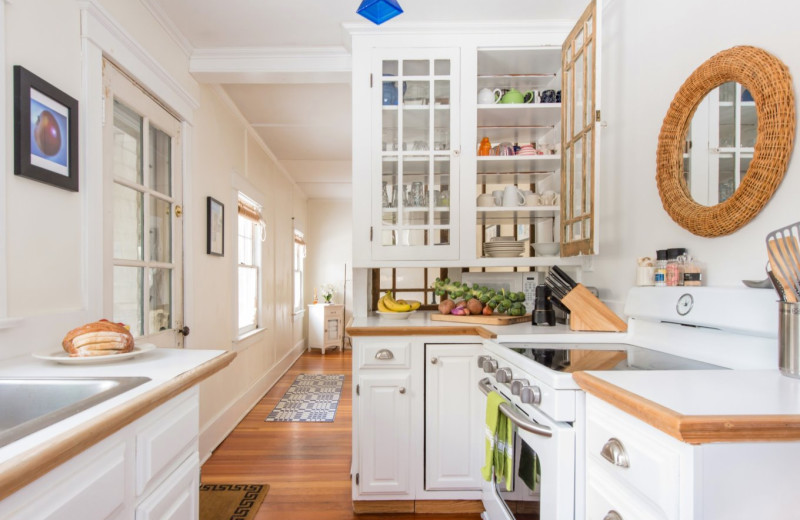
x,y
614,452
613,515
384,354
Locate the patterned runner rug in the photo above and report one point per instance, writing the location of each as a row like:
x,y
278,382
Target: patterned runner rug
x,y
231,501
311,398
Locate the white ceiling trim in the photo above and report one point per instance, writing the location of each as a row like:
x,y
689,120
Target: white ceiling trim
x,y
272,65
169,26
458,28
238,113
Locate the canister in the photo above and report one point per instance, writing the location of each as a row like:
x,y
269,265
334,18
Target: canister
x,y
789,339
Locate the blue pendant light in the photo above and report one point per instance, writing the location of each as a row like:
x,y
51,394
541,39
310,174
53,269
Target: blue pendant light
x,y
378,11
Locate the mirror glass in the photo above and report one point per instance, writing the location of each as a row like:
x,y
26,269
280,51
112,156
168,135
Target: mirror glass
x,y
719,143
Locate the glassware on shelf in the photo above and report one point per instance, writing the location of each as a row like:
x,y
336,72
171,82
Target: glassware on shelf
x,y
385,196
417,196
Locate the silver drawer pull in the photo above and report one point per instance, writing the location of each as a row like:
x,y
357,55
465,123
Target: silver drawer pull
x,y
614,452
613,515
384,354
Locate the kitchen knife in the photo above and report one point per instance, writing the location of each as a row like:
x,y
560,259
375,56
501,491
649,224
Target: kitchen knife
x,y
564,276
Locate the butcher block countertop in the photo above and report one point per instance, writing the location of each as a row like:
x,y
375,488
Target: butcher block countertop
x,y
704,406
172,371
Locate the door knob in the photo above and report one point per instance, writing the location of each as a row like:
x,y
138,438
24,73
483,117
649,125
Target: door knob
x,y
434,361
402,389
612,515
184,330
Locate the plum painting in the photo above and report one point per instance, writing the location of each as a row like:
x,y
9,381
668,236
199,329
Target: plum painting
x,y
49,135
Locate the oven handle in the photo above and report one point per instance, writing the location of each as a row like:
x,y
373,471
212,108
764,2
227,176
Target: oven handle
x,y
514,416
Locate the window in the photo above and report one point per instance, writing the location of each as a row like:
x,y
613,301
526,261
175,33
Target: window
x,y
143,187
299,261
413,283
249,238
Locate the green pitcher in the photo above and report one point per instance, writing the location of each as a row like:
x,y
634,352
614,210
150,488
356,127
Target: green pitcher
x,y
512,96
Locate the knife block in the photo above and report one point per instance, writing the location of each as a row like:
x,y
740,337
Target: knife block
x,y
588,313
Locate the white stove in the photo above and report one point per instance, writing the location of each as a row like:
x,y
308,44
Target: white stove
x,y
680,328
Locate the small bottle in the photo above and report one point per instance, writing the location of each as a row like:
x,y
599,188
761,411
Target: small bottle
x,y
692,273
660,274
674,273
485,147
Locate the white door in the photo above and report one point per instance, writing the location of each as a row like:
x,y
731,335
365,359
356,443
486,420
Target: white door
x,y
384,425
453,417
143,232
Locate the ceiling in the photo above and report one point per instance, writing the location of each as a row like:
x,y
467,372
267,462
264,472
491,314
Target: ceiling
x,y
286,66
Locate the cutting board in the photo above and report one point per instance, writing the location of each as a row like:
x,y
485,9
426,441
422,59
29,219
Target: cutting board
x,y
493,319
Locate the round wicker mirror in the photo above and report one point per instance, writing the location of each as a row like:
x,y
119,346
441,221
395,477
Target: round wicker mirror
x,y
770,84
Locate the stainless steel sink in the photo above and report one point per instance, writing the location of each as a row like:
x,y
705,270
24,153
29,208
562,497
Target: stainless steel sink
x,y
29,404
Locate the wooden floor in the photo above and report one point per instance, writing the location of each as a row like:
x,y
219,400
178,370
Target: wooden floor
x,y
307,465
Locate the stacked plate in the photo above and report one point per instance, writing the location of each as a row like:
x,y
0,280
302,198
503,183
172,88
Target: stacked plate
x,y
503,247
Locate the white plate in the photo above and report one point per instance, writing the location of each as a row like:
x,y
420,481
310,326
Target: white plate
x,y
502,255
395,315
65,359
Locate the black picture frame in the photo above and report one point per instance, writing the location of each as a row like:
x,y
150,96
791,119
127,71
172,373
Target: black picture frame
x,y
215,227
45,131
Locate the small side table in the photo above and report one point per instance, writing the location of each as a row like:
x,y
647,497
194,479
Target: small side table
x,y
325,326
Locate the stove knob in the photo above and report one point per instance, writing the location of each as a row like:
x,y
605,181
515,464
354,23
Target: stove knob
x,y
530,395
503,375
490,366
517,385
482,360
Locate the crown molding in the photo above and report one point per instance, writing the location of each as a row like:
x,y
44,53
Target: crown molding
x,y
271,65
169,26
459,28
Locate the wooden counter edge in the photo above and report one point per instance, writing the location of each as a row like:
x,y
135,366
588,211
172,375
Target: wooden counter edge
x,y
693,429
420,330
28,466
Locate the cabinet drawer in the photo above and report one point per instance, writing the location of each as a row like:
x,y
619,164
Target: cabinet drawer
x,y
175,499
385,354
654,462
334,312
604,494
165,441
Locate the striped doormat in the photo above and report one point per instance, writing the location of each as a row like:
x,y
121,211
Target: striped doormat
x,y
311,398
231,501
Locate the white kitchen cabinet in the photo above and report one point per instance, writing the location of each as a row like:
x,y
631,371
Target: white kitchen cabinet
x,y
154,456
325,326
666,479
416,129
453,417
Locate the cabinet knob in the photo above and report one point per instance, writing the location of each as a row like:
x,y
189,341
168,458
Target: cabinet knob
x,y
612,515
614,452
434,361
384,354
402,389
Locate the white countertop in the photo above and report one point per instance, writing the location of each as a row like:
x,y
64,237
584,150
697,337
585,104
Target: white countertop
x,y
160,365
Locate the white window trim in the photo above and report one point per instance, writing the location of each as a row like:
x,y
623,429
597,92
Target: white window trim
x,y
242,185
301,309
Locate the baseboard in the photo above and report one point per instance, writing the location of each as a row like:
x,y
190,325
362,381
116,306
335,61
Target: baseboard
x,y
217,429
422,507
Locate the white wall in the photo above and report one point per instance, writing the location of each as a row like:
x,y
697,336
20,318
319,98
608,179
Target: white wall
x,y
48,247
649,49
330,246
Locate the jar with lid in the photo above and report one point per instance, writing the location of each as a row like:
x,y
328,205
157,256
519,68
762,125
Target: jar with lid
x,y
692,273
660,272
675,259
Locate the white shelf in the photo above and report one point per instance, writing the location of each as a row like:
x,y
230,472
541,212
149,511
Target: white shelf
x,y
518,163
494,215
519,115
416,209
526,261
513,178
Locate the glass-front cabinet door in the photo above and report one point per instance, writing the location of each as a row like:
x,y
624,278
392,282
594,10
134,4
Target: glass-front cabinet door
x,y
415,149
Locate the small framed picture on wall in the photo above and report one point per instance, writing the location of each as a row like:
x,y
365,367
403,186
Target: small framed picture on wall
x,y
45,131
215,243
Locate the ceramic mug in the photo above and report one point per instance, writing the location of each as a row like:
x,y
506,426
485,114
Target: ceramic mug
x,y
486,96
548,96
512,196
532,199
485,200
549,198
498,197
531,96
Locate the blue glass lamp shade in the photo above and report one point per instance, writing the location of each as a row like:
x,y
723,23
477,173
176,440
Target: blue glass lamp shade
x,y
378,11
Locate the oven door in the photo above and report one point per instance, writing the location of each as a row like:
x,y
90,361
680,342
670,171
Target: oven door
x,y
544,456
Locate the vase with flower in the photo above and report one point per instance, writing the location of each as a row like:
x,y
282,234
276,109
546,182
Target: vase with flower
x,y
327,292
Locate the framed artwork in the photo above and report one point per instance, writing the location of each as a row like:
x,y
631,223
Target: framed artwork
x,y
215,240
45,132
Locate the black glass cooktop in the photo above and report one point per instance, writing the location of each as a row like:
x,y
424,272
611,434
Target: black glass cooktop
x,y
569,358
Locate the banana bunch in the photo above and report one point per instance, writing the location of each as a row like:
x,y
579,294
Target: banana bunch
x,y
388,304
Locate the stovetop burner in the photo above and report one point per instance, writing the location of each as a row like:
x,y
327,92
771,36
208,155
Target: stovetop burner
x,y
590,356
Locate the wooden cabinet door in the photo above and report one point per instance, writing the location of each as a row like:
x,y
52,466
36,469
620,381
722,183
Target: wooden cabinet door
x,y
453,417
384,426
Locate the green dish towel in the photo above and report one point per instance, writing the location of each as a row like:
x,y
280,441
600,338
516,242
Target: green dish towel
x,y
529,470
499,455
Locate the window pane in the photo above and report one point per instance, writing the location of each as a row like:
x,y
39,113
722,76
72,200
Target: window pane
x,y
160,300
246,241
248,296
410,277
127,144
160,230
160,167
128,217
128,297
